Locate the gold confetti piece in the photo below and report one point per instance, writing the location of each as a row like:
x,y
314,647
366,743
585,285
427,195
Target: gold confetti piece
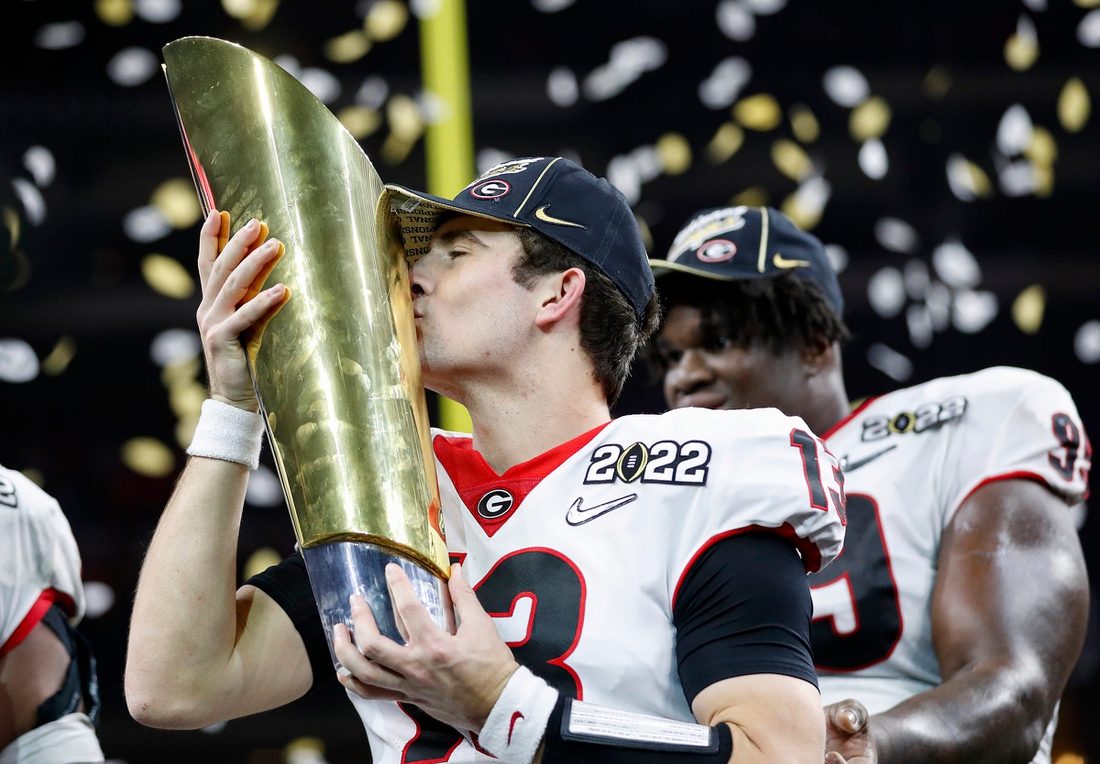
x,y
804,124
261,14
967,180
185,399
1028,308
404,117
60,357
1074,105
1044,180
937,82
675,153
759,112
166,276
385,20
259,561
647,235
239,9
791,160
185,431
871,119
930,130
304,749
348,47
1087,3
35,476
1022,48
753,196
114,13
176,199
11,222
1042,150
725,143
148,457
800,214
360,121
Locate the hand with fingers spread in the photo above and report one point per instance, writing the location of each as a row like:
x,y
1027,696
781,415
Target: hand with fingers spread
x,y
848,737
235,306
455,678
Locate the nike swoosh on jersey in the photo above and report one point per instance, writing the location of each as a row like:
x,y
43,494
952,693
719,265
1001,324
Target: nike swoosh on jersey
x,y
781,262
578,516
541,214
849,467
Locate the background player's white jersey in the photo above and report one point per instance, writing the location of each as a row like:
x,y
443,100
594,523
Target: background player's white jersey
x,y
39,566
911,458
39,560
578,553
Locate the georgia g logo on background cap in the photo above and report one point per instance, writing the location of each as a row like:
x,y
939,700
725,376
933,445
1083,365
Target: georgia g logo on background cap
x,y
490,189
716,251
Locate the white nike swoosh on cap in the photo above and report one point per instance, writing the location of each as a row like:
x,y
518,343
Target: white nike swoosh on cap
x,y
578,516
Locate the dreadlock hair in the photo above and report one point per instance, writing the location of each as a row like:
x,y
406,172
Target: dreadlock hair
x,y
611,332
783,313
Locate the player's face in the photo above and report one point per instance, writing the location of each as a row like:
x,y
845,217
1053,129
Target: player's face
x,y
714,373
471,315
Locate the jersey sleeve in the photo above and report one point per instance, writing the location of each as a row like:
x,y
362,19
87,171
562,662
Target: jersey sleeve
x,y
39,560
1018,424
767,472
288,584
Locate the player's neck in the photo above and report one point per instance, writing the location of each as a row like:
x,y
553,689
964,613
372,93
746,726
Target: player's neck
x,y
518,420
828,403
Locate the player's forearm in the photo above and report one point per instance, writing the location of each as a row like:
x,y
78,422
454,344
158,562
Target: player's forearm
x,y
184,624
987,714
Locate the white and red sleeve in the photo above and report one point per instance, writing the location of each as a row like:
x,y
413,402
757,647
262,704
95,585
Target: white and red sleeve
x,y
1018,425
39,560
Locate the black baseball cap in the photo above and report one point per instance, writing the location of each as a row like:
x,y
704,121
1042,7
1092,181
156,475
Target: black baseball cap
x,y
737,243
554,196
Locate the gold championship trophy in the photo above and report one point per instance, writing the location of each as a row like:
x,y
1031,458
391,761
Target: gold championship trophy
x,y
338,372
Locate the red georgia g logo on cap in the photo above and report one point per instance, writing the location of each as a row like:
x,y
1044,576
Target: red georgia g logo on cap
x,y
490,189
716,251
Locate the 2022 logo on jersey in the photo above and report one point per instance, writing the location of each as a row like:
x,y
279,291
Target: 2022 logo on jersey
x,y
666,461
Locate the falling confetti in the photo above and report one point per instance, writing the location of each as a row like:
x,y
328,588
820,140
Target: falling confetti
x,y
1074,105
758,112
886,292
1028,309
847,86
890,362
1022,48
896,235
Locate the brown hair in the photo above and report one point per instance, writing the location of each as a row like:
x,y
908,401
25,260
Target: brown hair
x,y
611,332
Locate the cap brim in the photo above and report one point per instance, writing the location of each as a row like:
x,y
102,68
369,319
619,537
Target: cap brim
x,y
660,265
440,203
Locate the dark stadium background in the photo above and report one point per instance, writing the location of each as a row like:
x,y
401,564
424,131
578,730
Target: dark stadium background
x,y
84,299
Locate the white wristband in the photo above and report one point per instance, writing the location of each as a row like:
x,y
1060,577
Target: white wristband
x,y
228,433
518,720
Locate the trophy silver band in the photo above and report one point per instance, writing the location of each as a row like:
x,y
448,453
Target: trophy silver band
x,y
337,372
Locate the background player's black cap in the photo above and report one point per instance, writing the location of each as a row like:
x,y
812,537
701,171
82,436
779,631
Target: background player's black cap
x,y
554,196
737,243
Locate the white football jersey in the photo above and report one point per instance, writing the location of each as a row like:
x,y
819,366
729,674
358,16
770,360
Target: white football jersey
x,y
39,560
578,553
911,458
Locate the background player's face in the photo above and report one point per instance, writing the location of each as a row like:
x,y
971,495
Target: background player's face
x,y
471,315
716,374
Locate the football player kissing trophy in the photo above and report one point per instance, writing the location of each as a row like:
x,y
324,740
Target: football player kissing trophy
x,y
337,373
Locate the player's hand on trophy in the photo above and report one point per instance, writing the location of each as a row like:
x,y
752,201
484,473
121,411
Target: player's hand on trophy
x,y
848,737
455,678
235,305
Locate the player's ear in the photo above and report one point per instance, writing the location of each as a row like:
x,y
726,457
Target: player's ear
x,y
560,296
818,355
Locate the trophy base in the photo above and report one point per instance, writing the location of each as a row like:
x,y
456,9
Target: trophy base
x,y
339,569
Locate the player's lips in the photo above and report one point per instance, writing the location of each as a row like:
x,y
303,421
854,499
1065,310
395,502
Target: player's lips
x,y
704,399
